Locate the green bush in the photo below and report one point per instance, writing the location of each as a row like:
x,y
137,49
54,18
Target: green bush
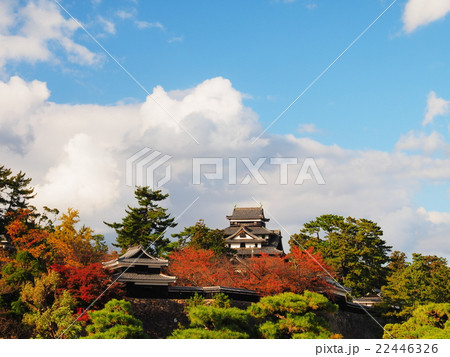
x,y
115,320
427,321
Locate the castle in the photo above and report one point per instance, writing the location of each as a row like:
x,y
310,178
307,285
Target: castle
x,y
248,235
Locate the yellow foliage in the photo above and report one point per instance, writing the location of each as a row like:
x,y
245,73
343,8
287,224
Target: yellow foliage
x,y
71,246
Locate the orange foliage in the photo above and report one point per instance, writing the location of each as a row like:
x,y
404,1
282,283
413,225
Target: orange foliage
x,y
311,270
31,240
269,275
200,267
297,272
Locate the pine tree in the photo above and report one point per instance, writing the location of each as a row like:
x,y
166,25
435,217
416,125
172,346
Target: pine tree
x,y
144,225
353,247
295,316
15,193
115,320
424,280
200,236
429,321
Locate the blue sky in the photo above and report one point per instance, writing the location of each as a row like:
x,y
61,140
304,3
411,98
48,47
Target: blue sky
x,y
270,51
364,120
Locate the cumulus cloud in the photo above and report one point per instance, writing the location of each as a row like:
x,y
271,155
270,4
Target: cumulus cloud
x,y
435,106
86,175
77,158
422,12
19,100
428,144
27,33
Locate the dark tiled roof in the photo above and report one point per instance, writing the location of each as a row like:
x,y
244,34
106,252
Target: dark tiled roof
x,y
136,256
147,278
252,237
137,252
247,213
254,230
257,251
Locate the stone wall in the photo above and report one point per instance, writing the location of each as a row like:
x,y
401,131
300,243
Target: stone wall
x,y
161,316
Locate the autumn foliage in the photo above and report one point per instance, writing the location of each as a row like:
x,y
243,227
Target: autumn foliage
x,y
86,283
71,246
200,267
28,238
296,272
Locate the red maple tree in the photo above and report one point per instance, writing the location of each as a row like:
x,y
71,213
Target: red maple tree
x,y
88,282
296,272
200,267
311,271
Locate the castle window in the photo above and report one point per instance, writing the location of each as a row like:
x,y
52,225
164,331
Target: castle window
x,y
256,245
242,245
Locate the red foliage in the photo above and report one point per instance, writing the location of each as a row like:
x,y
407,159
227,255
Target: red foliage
x,y
269,275
200,267
310,270
298,271
86,283
85,317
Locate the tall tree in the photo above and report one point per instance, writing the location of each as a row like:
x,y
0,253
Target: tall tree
x,y
15,193
75,247
353,247
201,236
144,225
425,280
397,261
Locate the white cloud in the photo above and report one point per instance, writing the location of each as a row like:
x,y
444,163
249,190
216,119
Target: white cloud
x,y
145,25
428,144
27,33
108,26
19,100
435,106
307,128
86,176
76,157
435,216
175,39
422,12
126,14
